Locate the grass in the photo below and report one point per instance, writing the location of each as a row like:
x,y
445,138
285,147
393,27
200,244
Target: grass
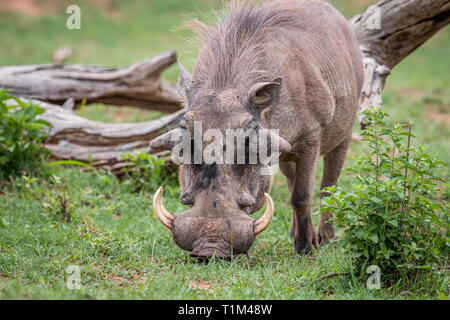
x,y
113,236
124,252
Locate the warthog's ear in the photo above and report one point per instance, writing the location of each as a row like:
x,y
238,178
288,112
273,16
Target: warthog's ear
x,y
264,94
186,86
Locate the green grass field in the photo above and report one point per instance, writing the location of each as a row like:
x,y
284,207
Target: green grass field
x,y
113,236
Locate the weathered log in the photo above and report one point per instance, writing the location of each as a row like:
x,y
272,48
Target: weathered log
x,y
102,144
138,85
403,26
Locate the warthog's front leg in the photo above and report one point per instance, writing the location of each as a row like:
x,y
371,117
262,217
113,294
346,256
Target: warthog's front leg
x,y
288,169
301,199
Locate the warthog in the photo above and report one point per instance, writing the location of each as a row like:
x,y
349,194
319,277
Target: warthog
x,y
289,65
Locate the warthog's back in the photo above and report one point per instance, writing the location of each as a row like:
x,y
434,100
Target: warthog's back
x,y
308,44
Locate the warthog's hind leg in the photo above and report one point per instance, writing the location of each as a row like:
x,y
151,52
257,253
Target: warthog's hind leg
x,y
332,166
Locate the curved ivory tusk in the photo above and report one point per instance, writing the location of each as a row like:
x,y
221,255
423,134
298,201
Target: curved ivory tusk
x,y
163,215
262,223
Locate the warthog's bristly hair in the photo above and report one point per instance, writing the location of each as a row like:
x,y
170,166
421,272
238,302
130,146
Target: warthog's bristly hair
x,y
289,65
232,53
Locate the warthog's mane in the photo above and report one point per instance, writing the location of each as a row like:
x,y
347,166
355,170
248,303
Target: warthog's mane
x,y
232,53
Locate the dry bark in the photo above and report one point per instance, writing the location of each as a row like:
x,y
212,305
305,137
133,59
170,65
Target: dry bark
x,y
138,85
102,144
404,26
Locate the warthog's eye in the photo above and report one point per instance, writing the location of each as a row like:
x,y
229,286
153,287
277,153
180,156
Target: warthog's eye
x,y
181,152
251,153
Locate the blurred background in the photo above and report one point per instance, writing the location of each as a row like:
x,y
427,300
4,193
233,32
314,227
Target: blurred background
x,y
120,32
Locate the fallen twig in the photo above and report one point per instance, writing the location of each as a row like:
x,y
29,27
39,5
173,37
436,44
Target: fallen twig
x,y
331,275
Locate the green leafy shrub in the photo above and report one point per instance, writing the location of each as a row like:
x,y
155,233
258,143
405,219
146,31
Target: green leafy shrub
x,y
21,135
391,217
148,173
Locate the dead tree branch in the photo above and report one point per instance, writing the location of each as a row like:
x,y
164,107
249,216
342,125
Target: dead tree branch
x,y
102,144
403,26
138,85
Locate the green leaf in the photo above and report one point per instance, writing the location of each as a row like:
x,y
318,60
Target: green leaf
x,y
70,162
374,237
442,296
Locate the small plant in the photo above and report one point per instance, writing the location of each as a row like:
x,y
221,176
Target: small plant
x,y
54,197
58,200
21,135
391,218
148,172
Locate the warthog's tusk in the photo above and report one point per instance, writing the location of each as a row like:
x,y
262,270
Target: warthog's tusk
x,y
262,223
163,215
283,145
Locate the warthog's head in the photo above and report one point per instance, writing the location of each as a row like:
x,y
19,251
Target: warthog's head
x,y
223,177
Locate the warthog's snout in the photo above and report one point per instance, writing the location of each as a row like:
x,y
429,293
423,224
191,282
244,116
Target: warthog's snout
x,y
206,236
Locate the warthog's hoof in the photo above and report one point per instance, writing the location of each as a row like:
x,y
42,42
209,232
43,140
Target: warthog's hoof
x,y
305,248
325,235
